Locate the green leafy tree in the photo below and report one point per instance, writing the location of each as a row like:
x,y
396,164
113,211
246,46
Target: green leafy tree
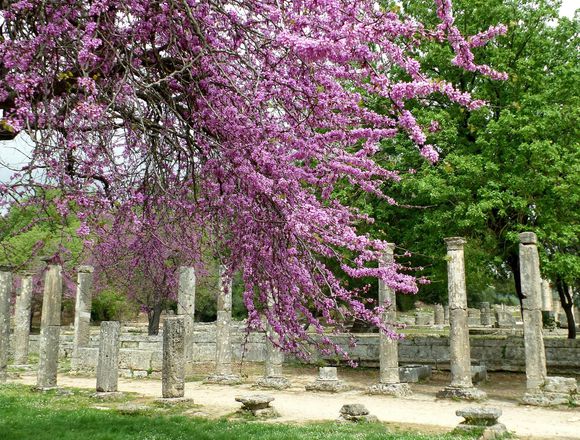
x,y
503,169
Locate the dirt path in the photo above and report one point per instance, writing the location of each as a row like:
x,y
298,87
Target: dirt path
x,y
422,410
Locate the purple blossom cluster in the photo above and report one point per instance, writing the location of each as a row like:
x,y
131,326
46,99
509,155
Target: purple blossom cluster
x,y
186,124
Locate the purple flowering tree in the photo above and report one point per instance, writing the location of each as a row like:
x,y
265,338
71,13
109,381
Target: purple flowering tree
x,y
237,118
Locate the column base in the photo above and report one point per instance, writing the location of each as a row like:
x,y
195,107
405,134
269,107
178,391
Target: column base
x,y
390,389
223,379
555,391
460,393
273,382
171,401
329,386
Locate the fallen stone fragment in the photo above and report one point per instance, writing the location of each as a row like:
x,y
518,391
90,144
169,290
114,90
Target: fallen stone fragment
x,y
258,405
356,412
482,419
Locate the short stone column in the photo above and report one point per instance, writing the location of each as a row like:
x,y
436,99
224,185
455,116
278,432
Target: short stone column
x,y
83,304
461,386
5,293
49,327
173,369
273,364
108,363
547,305
224,374
389,382
186,309
22,314
439,314
485,313
327,381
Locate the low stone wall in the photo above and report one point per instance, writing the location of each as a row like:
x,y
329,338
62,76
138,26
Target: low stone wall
x,y
141,355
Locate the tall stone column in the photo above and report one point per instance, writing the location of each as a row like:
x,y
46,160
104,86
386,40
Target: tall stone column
x,y
486,316
531,284
389,382
5,293
186,309
224,374
461,386
22,316
50,327
173,370
83,304
108,363
273,363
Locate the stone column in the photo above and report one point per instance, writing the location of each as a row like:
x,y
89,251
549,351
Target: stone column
x,y
531,285
108,364
173,372
547,305
22,314
389,382
5,293
439,314
224,374
83,306
50,327
485,310
273,376
446,314
186,309
460,357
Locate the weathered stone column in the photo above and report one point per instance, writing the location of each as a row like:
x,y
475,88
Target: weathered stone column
x,y
186,309
460,354
485,310
108,364
273,375
22,313
224,374
439,315
547,305
5,293
531,284
50,327
446,314
173,372
83,306
389,382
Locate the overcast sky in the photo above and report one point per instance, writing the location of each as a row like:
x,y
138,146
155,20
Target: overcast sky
x,y
13,153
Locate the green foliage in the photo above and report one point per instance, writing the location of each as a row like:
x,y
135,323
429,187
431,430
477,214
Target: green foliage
x,y
511,166
71,418
111,305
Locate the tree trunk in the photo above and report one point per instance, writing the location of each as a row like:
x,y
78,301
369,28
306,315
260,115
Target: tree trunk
x,y
154,316
567,304
514,264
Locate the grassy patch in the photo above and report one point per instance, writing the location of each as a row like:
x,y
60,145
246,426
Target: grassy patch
x,y
47,416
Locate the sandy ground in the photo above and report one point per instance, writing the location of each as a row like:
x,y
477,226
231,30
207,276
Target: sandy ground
x,y
422,411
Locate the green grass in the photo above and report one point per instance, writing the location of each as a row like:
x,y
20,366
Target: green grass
x,y
25,414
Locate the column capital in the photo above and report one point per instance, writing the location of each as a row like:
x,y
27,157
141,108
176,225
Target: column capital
x,y
454,243
528,238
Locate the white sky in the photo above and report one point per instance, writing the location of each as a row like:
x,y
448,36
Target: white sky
x,y
13,153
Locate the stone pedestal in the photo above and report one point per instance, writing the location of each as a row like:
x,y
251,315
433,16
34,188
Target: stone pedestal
x,y
356,412
473,317
22,314
224,374
186,309
327,381
108,364
50,328
482,421
554,391
389,382
83,304
531,285
5,293
173,373
439,314
257,405
461,386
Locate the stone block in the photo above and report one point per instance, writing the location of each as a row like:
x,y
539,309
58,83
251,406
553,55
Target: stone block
x,y
135,359
257,405
555,384
478,373
414,373
356,412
